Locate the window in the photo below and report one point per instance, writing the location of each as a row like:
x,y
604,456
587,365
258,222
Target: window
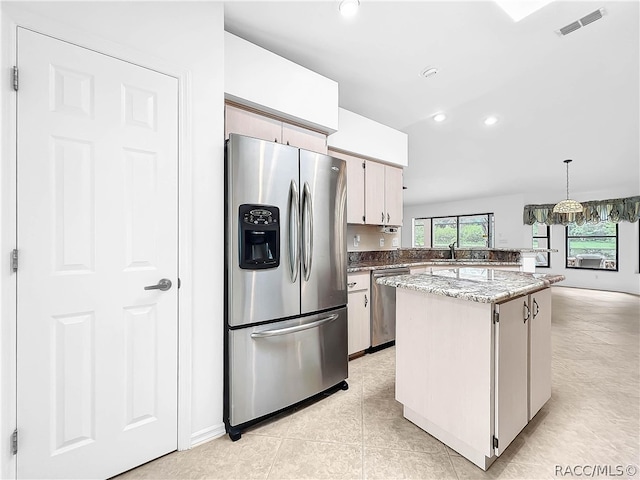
x,y
593,246
468,231
419,232
542,239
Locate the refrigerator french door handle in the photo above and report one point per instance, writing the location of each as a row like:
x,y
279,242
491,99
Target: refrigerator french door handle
x,y
307,230
294,230
297,328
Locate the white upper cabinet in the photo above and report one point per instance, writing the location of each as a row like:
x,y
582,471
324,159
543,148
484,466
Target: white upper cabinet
x,y
304,138
375,211
393,195
254,124
374,191
251,124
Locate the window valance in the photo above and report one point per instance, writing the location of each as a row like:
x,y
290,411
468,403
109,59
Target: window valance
x,y
613,210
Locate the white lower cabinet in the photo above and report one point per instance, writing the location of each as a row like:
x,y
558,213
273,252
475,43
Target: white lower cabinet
x,y
473,374
523,362
359,301
539,350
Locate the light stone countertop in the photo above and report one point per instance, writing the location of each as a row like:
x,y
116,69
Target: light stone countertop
x,y
483,285
463,262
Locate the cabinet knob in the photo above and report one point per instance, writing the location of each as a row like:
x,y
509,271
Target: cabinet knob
x,y
388,218
382,217
351,284
527,312
365,300
537,308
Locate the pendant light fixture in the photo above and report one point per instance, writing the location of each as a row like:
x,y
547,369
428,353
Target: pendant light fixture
x,y
568,205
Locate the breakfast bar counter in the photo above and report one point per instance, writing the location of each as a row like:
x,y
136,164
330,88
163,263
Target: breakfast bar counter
x,y
478,284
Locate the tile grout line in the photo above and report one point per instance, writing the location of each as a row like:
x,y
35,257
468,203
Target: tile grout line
x,y
273,462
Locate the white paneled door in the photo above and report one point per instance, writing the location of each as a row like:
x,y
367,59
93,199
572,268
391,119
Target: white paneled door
x,y
97,223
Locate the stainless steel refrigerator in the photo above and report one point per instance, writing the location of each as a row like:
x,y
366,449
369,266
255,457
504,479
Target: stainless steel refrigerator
x,y
285,278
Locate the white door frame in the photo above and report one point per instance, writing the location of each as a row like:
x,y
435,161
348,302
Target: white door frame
x,y
8,183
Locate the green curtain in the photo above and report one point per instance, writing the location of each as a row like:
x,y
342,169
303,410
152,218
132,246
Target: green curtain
x,y
613,210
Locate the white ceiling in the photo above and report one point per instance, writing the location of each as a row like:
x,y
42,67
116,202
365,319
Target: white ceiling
x,y
556,97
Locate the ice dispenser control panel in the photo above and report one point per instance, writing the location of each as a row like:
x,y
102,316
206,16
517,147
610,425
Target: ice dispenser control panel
x,y
259,236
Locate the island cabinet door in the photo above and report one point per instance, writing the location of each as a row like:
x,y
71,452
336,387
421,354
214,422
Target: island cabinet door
x,y
539,350
511,396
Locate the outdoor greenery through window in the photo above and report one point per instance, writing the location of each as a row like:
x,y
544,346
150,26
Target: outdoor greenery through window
x,y
593,246
468,231
542,239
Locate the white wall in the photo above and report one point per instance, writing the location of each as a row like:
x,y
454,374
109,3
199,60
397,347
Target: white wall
x,y
363,136
510,232
261,79
185,39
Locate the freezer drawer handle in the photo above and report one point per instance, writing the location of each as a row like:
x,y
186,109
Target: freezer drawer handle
x,y
297,328
294,229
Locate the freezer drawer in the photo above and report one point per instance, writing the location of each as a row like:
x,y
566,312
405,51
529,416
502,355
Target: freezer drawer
x,y
279,364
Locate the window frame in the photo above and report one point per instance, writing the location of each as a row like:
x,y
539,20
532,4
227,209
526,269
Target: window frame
x,y
548,237
490,229
566,250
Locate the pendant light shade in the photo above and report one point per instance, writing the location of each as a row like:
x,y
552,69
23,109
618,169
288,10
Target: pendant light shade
x,y
568,205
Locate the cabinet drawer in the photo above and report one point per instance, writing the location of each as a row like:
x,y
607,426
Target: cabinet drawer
x,y
358,281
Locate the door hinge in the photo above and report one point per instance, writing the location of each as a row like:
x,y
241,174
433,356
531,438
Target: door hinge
x,y
15,78
14,260
496,316
495,442
364,219
179,282
364,165
14,442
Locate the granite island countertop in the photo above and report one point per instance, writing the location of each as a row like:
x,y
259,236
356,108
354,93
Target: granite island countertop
x,y
483,285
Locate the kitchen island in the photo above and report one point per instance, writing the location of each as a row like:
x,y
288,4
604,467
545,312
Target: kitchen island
x,y
473,354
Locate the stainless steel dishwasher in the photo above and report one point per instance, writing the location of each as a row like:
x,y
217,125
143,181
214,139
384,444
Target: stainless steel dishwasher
x,y
383,314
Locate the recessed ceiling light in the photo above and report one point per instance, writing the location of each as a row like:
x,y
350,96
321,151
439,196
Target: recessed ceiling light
x,y
348,8
428,72
439,117
491,120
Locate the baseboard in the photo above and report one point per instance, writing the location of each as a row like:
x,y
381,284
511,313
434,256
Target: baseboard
x,y
206,434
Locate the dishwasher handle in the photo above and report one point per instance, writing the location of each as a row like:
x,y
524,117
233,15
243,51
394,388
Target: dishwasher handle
x,y
391,273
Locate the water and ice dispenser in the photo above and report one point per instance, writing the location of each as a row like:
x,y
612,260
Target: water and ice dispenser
x,y
259,236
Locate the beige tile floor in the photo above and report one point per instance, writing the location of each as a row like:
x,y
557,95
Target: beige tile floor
x,y
591,419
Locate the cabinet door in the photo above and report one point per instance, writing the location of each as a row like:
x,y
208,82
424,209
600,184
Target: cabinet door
x,y
393,195
358,308
539,350
511,413
303,138
251,124
374,194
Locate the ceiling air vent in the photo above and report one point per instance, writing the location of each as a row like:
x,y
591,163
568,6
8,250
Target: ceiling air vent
x,y
583,22
572,27
592,17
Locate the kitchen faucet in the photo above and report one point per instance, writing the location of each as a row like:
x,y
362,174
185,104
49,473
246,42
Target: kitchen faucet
x,y
453,252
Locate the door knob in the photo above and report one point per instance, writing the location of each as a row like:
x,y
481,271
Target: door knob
x,y
164,285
